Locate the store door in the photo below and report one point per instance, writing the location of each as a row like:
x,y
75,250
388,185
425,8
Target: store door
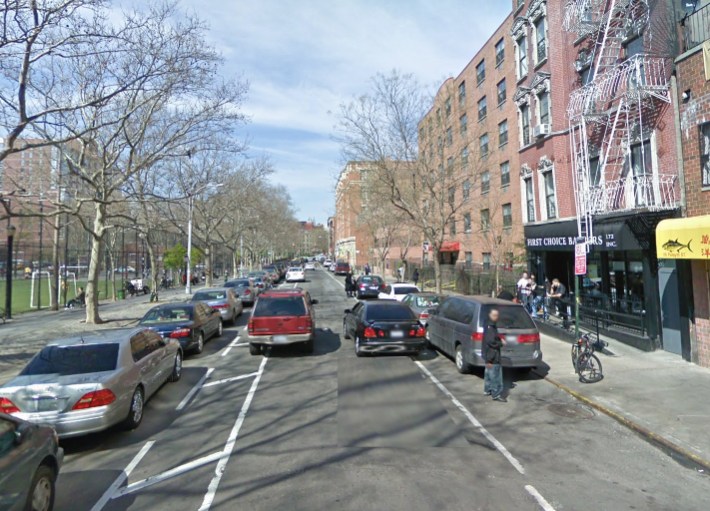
x,y
670,306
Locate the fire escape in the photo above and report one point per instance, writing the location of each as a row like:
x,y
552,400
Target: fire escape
x,y
614,112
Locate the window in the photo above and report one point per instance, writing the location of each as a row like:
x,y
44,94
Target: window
x,y
464,158
520,3
483,143
481,72
500,52
503,133
452,227
482,108
468,259
522,54
550,202
705,153
507,216
505,174
462,93
467,223
485,219
452,196
463,124
466,189
486,260
449,137
641,161
540,39
543,103
485,181
525,124
501,92
529,199
447,106
595,174
586,75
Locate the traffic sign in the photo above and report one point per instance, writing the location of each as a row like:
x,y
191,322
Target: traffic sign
x,y
580,259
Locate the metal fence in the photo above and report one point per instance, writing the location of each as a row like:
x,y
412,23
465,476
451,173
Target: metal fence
x,y
467,281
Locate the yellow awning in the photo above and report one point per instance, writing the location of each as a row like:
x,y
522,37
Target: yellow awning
x,y
684,238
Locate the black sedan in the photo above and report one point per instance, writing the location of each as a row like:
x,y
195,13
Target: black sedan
x,y
369,286
189,323
383,326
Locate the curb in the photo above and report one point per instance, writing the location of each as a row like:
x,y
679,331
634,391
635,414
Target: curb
x,y
671,448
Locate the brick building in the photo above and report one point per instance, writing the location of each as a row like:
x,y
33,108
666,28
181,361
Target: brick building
x,y
314,238
351,240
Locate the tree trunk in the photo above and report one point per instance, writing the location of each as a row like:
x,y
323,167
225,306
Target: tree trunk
x,y
112,261
437,270
153,267
208,264
235,269
54,281
92,284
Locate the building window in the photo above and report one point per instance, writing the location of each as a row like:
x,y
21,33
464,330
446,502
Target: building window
x,y
481,72
469,259
550,202
449,137
483,143
525,124
595,174
466,189
641,159
467,223
482,108
452,196
705,153
505,174
485,181
464,158
486,260
501,92
452,227
529,200
540,39
543,104
447,106
485,219
507,216
462,93
463,124
522,54
500,52
503,133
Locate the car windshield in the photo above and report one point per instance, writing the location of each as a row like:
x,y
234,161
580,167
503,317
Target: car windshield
x,y
388,312
280,306
77,359
427,301
371,280
167,315
206,296
405,290
512,317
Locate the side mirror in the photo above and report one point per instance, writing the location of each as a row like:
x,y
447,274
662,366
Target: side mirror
x,y
347,311
314,301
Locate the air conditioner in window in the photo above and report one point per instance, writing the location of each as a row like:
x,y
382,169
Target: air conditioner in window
x,y
541,130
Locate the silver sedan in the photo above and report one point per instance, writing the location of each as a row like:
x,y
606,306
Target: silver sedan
x,y
93,381
222,299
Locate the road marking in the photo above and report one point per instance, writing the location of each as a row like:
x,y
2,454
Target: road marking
x,y
233,344
168,474
194,390
472,419
539,498
108,494
231,441
227,380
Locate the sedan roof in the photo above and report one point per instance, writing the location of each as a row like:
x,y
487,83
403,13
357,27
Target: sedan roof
x,y
98,337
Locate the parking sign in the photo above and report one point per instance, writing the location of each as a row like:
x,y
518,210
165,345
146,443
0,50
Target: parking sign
x,y
580,259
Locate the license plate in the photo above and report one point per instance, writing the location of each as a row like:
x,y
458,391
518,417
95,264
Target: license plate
x,y
396,334
47,404
279,338
511,339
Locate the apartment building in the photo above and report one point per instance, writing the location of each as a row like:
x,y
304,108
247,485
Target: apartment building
x,y
353,242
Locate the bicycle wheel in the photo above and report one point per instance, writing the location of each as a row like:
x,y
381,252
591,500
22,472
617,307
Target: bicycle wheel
x,y
576,352
589,368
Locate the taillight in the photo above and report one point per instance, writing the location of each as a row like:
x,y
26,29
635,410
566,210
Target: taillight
x,y
370,333
528,338
477,336
308,323
424,315
93,399
417,332
7,406
220,306
247,292
362,286
180,332
250,325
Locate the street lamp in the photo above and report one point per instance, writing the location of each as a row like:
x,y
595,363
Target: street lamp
x,y
8,272
190,202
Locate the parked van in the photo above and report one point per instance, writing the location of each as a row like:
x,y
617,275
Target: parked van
x,y
456,328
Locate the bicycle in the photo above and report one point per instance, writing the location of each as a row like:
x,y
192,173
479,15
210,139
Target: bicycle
x,y
586,364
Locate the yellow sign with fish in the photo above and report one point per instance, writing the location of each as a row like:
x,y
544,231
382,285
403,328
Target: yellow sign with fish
x,y
684,238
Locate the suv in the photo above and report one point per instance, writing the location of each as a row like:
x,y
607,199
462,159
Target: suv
x,y
342,268
456,328
282,316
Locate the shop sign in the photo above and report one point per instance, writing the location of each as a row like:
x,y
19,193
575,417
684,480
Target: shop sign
x,y
684,238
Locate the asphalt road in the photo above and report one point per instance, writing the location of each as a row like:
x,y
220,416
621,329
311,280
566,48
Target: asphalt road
x,y
291,431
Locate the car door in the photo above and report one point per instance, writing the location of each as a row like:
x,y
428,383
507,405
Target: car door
x,y
145,361
15,469
211,321
461,327
164,357
449,317
351,319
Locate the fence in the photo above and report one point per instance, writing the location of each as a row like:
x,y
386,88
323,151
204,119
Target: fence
x,y
467,281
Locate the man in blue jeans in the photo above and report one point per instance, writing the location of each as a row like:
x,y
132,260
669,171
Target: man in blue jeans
x,y
492,343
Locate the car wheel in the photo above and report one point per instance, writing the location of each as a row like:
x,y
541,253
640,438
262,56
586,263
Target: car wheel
x,y
254,349
135,412
177,368
358,350
461,363
200,343
220,328
346,335
41,494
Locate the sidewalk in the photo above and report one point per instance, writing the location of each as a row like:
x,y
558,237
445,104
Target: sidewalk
x,y
657,394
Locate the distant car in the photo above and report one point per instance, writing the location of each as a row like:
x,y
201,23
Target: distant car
x,y
30,459
397,291
368,286
342,268
92,381
295,274
310,266
281,317
192,324
456,328
244,289
261,279
273,272
222,299
383,326
420,303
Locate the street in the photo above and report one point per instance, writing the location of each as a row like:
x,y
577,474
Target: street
x,y
332,431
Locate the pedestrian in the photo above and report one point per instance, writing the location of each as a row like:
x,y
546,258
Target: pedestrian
x,y
400,273
523,289
349,284
557,294
415,276
367,268
538,299
493,374
79,300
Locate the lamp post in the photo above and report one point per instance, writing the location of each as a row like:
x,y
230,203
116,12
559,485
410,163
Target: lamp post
x,y
190,206
8,272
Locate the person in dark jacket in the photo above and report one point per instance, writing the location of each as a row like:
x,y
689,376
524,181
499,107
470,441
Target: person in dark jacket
x,y
492,343
349,284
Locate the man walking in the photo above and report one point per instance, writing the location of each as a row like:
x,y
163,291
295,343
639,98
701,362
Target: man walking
x,y
493,374
523,288
415,276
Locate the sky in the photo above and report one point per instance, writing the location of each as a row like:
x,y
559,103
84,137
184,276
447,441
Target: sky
x,y
304,58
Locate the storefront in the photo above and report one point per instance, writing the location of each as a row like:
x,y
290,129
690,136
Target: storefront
x,y
449,252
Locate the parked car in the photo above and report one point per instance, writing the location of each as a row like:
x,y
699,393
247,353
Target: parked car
x,y
456,328
222,299
273,272
244,289
261,279
93,381
368,286
30,459
295,274
397,291
342,268
280,317
192,324
383,326
420,303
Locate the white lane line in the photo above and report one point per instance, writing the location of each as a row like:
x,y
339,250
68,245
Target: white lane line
x,y
233,344
545,505
168,474
108,494
227,380
194,390
231,441
499,446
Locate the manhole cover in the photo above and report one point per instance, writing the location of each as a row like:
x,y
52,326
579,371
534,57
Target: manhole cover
x,y
572,411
